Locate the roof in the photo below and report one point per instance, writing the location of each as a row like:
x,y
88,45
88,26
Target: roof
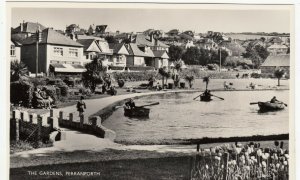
x,y
50,36
173,31
144,40
160,54
134,50
277,46
80,36
29,27
115,46
68,68
86,43
279,60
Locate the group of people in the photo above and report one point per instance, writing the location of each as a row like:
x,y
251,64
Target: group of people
x,y
41,99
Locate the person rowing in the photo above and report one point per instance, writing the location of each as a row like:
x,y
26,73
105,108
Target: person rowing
x,y
130,104
274,100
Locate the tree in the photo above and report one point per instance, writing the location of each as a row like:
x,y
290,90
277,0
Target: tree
x,y
192,56
175,52
190,79
111,39
206,80
278,74
216,56
257,54
17,70
93,74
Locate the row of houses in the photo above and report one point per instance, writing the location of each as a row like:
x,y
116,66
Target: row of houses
x,y
58,53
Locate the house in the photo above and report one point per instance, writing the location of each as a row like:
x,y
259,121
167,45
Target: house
x,y
120,54
161,59
95,47
276,62
139,56
142,40
27,29
15,51
57,54
277,49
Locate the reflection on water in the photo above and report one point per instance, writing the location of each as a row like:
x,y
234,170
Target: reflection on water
x,y
179,117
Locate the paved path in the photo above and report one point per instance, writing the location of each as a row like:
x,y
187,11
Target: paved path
x,y
95,105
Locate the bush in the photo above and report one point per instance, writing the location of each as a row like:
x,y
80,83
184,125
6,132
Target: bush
x,y
135,76
39,81
21,93
212,67
121,83
255,75
64,90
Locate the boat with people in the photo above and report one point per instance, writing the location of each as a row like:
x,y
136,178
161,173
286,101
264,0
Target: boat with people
x,y
268,106
137,112
272,105
131,110
205,97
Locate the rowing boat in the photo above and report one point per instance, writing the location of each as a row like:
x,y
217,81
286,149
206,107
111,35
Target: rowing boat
x,y
268,106
137,112
206,98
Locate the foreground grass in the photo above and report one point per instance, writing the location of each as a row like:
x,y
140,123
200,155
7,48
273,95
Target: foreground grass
x,y
19,146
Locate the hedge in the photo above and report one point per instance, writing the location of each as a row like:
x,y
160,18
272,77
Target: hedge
x,y
135,76
21,93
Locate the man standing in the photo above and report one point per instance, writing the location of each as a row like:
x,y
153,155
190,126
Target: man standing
x,y
81,106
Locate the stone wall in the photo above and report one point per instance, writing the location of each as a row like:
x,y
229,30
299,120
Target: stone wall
x,y
86,125
31,127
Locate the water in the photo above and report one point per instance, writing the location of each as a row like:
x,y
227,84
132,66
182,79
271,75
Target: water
x,y
179,117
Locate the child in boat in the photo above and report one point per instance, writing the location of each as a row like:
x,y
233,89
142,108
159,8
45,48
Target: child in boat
x,y
130,104
81,106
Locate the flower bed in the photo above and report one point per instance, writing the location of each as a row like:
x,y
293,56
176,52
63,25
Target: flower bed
x,y
239,161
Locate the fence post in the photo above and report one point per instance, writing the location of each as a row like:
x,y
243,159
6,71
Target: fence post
x,y
198,147
225,172
30,118
71,117
50,122
51,112
17,129
39,130
61,116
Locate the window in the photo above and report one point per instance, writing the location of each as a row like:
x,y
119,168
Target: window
x,y
87,56
73,52
58,51
12,50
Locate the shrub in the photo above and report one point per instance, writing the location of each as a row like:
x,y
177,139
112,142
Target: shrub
x,y
255,75
21,93
39,81
64,90
212,67
135,76
121,83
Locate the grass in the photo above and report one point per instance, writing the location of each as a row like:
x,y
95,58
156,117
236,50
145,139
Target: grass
x,y
19,146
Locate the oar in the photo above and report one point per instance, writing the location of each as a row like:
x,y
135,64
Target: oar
x,y
197,97
252,103
217,97
152,104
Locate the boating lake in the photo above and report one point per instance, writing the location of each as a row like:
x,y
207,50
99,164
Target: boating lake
x,y
178,116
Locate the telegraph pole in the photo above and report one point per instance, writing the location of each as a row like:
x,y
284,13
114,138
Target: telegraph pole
x,y
37,54
220,59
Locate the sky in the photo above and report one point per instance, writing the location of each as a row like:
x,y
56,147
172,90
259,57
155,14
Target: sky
x,y
138,20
